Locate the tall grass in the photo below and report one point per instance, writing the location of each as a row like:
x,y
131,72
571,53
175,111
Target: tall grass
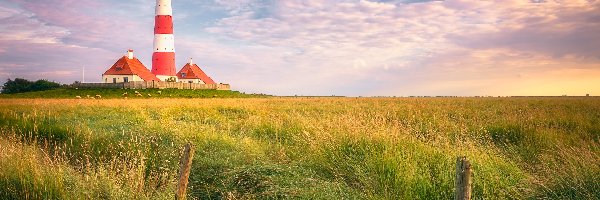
x,y
307,148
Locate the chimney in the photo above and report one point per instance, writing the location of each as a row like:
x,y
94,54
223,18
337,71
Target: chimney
x,y
191,61
130,54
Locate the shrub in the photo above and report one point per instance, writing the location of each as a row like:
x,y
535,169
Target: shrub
x,y
20,85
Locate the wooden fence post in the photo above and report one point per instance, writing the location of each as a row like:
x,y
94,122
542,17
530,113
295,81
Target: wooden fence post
x,y
463,179
185,165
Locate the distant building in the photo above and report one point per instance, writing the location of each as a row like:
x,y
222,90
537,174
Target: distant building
x,y
191,73
127,69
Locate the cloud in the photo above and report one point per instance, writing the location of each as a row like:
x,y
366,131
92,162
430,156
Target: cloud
x,y
88,23
55,39
494,72
338,43
52,61
310,47
20,26
558,29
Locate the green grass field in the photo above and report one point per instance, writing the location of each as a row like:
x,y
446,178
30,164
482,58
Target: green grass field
x,y
72,93
298,148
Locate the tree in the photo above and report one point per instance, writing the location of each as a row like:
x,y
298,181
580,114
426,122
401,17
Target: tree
x,y
16,86
41,85
20,85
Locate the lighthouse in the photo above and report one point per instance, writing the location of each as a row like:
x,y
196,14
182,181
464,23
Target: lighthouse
x,y
163,58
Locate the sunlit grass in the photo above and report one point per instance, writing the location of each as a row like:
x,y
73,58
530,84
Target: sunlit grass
x,y
309,148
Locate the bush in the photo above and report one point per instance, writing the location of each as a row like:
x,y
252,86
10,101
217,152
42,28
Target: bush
x,y
20,85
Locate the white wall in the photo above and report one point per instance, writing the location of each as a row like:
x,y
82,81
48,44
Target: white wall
x,y
120,78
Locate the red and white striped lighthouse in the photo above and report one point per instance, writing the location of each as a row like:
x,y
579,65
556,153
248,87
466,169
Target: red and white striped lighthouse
x,y
163,58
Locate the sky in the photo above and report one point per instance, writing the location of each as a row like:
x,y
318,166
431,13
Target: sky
x,y
328,47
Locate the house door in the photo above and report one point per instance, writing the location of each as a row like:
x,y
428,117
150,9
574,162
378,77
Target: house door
x,y
114,80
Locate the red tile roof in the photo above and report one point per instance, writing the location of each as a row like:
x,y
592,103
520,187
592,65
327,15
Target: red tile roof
x,y
194,72
126,66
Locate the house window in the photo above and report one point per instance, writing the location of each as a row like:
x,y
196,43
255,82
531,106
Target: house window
x,y
183,75
125,79
106,80
114,80
190,81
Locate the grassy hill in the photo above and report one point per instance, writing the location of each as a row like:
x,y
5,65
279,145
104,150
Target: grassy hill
x,y
299,148
71,93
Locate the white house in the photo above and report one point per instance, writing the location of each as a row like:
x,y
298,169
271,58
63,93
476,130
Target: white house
x,y
191,73
127,69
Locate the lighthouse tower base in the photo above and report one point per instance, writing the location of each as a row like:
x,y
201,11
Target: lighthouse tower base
x,y
167,78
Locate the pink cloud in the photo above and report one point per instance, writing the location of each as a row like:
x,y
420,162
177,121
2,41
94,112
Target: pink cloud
x,y
553,29
346,47
87,23
392,41
46,37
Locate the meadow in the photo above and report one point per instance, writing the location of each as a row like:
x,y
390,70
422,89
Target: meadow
x,y
105,93
299,148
